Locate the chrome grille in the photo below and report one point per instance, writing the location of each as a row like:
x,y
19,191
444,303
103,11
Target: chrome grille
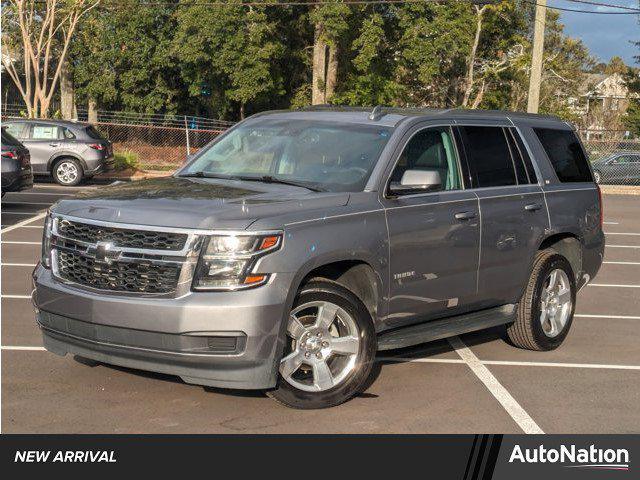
x,y
121,237
119,276
121,258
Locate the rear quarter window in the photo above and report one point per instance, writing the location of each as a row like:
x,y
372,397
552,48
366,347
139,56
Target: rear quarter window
x,y
565,153
93,133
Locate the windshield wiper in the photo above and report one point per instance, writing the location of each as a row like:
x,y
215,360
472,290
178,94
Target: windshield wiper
x,y
270,179
202,175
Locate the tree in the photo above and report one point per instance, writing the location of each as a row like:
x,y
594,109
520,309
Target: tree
x,y
39,31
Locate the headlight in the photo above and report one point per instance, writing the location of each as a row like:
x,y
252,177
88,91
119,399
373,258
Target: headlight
x,y
46,242
227,260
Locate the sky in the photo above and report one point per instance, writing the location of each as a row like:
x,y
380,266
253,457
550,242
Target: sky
x,y
604,35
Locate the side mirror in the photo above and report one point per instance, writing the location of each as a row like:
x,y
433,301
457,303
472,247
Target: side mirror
x,y
417,181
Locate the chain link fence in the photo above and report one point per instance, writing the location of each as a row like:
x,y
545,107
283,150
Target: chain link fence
x,y
614,158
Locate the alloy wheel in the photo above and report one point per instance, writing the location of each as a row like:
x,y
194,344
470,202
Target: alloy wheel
x,y
67,172
555,303
324,346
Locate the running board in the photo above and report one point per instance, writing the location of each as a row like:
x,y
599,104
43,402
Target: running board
x,y
446,327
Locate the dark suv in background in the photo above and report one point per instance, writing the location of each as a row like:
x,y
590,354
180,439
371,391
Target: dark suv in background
x,y
16,165
68,151
298,244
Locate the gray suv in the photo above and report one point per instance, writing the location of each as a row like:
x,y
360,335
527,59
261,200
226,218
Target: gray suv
x,y
68,151
298,244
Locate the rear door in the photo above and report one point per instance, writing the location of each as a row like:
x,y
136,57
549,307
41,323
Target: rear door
x,y
433,237
42,141
512,209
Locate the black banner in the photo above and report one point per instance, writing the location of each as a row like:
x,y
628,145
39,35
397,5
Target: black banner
x,y
456,457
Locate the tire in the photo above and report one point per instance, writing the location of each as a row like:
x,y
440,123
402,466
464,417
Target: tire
x,y
305,387
534,329
67,172
597,176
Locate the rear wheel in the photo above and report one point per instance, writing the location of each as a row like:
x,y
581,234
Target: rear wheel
x,y
67,172
545,311
330,349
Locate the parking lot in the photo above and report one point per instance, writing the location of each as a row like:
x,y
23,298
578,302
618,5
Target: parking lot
x,y
473,383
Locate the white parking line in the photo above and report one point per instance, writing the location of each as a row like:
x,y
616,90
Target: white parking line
x,y
612,285
621,246
24,222
620,233
17,264
610,223
11,242
47,193
622,263
621,317
15,296
561,365
419,360
513,408
4,212
11,347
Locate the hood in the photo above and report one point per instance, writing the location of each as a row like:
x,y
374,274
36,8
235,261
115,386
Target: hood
x,y
194,202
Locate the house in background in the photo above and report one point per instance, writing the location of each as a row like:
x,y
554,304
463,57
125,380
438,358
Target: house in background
x,y
603,100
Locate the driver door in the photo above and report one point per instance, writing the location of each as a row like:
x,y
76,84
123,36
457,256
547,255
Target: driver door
x,y
434,237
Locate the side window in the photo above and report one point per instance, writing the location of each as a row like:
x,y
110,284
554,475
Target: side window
x,y
524,155
15,129
44,132
67,134
565,153
430,149
488,155
518,163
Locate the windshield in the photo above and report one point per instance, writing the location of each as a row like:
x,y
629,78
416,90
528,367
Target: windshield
x,y
328,156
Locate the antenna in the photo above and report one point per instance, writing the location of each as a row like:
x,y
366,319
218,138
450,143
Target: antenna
x,y
377,113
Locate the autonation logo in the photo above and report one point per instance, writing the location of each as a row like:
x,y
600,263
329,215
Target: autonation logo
x,y
573,457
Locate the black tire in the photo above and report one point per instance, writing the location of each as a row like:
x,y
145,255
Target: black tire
x,y
60,179
356,381
527,331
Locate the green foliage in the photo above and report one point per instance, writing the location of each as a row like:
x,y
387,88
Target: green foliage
x,y
231,60
126,159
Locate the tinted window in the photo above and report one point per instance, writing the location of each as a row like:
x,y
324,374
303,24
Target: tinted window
x,y
521,173
7,139
628,159
93,133
430,149
44,132
524,155
565,153
68,134
488,156
14,129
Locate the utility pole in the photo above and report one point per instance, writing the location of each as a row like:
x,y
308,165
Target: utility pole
x,y
533,99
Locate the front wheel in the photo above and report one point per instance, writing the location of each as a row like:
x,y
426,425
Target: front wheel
x,y
331,345
67,172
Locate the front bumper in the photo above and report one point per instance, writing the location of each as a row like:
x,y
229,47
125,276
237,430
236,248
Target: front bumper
x,y
218,339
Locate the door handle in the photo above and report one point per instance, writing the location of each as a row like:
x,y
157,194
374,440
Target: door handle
x,y
532,207
465,215
54,144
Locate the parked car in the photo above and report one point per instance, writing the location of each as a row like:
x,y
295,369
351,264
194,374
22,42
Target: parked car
x,y
16,165
68,151
619,167
298,244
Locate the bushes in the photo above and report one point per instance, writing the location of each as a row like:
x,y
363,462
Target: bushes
x,y
126,159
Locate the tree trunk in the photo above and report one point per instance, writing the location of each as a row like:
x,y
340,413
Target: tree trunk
x,y
319,73
92,113
67,92
472,56
242,111
332,73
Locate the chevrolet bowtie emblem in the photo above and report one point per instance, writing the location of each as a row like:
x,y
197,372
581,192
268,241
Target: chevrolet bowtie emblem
x,y
104,252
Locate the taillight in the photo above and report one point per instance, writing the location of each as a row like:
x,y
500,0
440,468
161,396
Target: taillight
x,y
601,206
9,155
96,146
